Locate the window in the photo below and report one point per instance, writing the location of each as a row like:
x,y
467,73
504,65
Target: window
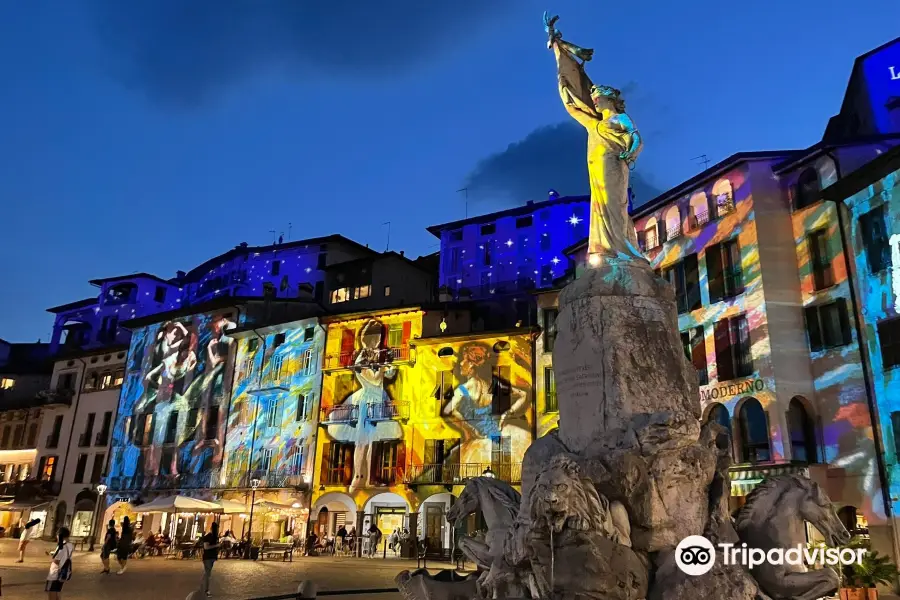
x,y
754,430
651,235
118,377
672,222
489,229
828,325
340,295
53,438
807,191
546,275
308,334
160,294
279,340
719,414
723,269
31,441
302,408
456,235
733,356
363,291
296,463
103,435
338,463
895,425
889,337
685,277
307,365
4,440
501,390
387,291
551,403
212,423
395,335
47,468
272,413
265,459
7,383
92,381
171,428
387,462
501,457
695,349
85,439
65,382
443,390
455,259
545,242
820,260
79,468
550,315
486,254
442,453
875,239
322,261
698,215
276,267
724,197
97,470
18,436
523,222
106,379
803,436
146,430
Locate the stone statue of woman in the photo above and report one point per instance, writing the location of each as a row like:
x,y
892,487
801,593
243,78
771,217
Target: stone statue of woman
x,y
613,145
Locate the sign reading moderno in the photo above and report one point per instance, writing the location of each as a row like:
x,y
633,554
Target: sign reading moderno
x,y
727,390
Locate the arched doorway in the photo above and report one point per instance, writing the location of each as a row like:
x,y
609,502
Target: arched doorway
x,y
802,433
332,511
754,432
433,525
719,414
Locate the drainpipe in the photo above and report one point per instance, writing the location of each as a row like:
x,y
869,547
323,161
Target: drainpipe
x,y
71,429
867,376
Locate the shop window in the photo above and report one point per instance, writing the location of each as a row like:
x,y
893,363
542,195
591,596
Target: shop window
x,y
820,260
695,349
803,435
733,349
808,191
723,269
551,402
685,278
875,239
889,339
828,325
754,429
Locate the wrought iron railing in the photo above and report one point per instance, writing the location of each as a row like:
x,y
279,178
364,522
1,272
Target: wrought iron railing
x,y
342,413
673,231
270,479
56,396
383,356
455,473
388,411
699,219
336,475
383,476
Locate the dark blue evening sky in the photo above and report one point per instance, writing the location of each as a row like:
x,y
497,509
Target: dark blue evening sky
x,y
150,135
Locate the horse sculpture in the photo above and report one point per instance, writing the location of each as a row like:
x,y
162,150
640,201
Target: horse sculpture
x,y
774,517
499,504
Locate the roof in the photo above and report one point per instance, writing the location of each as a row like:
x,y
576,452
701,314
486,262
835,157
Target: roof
x,y
823,147
713,171
580,244
27,358
242,250
99,282
524,209
379,256
361,314
73,305
208,306
864,176
64,355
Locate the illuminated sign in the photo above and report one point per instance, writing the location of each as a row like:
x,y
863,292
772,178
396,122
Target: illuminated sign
x,y
882,74
894,75
731,389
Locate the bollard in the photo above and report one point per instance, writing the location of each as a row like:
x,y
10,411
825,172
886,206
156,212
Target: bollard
x,y
306,590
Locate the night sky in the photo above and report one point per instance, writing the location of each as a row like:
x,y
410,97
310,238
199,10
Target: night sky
x,y
150,135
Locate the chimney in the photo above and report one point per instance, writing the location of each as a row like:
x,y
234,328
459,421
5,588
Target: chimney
x,y
402,252
180,275
529,203
552,195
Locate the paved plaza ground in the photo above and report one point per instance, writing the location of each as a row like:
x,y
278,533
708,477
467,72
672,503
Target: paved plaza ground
x,y
165,579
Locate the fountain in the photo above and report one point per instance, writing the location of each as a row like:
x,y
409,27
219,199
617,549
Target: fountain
x,y
630,472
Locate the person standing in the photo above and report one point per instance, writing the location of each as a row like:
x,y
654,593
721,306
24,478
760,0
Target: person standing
x,y
374,539
342,535
27,533
123,549
60,566
210,555
109,545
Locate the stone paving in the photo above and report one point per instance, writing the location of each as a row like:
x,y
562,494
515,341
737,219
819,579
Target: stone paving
x,y
165,579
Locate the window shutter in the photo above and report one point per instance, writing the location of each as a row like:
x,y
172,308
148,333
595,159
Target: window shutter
x,y
377,461
692,282
813,328
401,461
724,359
430,446
407,333
661,231
844,316
714,273
642,239
348,342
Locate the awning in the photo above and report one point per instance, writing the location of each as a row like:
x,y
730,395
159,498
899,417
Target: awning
x,y
178,504
17,505
269,505
232,507
744,479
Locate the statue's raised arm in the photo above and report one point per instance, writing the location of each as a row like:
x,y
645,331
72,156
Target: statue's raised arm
x,y
574,84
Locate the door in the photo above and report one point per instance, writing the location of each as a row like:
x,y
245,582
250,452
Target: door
x,y
322,522
501,457
434,526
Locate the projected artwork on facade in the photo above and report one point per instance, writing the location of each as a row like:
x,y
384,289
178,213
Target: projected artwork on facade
x,y
173,405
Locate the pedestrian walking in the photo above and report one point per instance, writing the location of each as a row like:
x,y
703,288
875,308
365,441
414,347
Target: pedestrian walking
x,y
110,541
374,539
342,535
210,555
27,533
123,549
60,566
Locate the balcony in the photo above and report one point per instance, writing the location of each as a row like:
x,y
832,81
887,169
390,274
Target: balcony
x,y
699,219
387,476
57,397
29,488
342,413
277,378
269,479
102,438
384,356
183,481
388,411
673,231
458,473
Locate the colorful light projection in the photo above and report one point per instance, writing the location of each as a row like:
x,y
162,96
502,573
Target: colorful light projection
x,y
882,74
172,409
274,406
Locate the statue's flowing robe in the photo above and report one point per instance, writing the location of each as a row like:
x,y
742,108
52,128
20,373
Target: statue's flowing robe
x,y
611,229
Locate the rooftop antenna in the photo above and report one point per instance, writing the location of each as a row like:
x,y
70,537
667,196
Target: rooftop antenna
x,y
290,225
272,231
702,158
466,190
388,247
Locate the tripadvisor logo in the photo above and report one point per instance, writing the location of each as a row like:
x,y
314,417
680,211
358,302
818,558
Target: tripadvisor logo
x,y
696,555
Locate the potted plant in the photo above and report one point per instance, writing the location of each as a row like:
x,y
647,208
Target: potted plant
x,y
862,578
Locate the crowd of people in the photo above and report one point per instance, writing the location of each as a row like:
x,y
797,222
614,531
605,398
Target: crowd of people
x,y
345,541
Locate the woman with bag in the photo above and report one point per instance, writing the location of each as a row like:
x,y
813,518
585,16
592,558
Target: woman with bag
x,y
61,566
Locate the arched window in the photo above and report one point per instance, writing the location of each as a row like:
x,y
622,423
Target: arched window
x,y
807,191
754,430
803,435
651,234
673,223
699,215
724,196
854,522
719,414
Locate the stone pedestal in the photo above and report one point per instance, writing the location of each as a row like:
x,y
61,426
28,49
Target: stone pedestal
x,y
618,353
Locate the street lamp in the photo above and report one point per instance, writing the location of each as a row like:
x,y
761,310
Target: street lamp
x,y
488,473
101,489
254,483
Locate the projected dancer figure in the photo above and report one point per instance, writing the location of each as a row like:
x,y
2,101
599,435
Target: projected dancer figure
x,y
613,146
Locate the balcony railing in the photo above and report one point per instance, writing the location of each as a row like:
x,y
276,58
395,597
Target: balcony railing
x,y
336,475
384,356
29,488
182,481
673,231
270,479
342,413
699,219
724,205
384,476
388,411
457,473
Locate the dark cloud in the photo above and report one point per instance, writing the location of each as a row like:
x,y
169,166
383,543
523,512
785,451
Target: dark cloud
x,y
183,51
551,157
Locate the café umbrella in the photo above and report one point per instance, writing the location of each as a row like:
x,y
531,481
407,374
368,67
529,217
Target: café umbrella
x,y
179,504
